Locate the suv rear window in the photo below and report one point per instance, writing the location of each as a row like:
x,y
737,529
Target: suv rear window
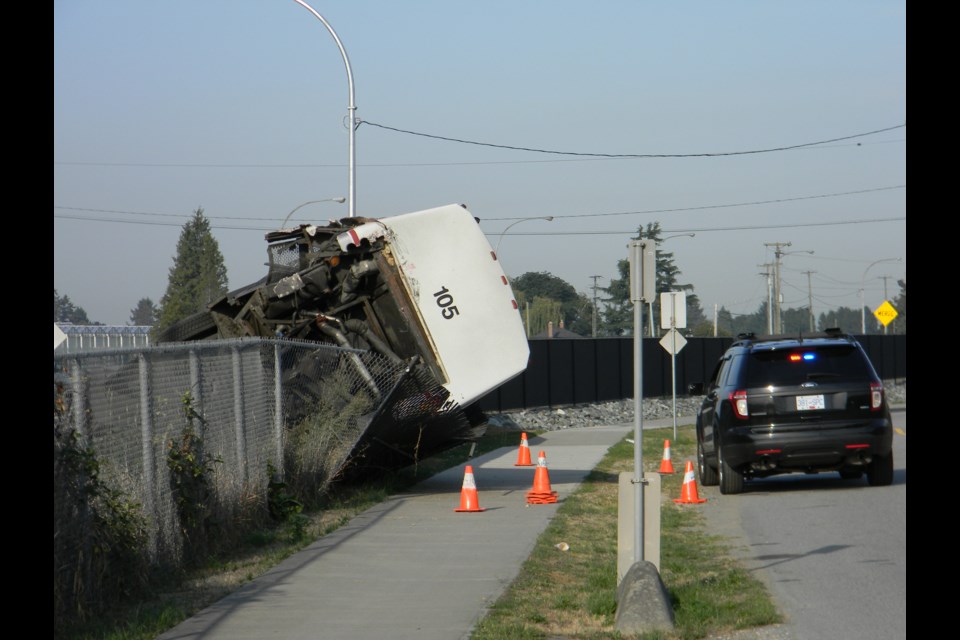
x,y
785,367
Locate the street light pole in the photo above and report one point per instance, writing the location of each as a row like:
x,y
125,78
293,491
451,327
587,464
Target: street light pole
x,y
337,199
351,114
500,237
863,278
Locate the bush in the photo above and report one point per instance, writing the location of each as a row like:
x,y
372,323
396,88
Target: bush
x,y
99,534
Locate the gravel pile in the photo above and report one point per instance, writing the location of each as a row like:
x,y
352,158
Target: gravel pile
x,y
621,411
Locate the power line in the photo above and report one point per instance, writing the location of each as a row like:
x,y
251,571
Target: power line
x,y
705,229
522,233
720,206
486,144
159,215
371,165
159,224
579,215
633,155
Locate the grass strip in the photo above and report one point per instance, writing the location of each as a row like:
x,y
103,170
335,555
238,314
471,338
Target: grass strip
x,y
572,594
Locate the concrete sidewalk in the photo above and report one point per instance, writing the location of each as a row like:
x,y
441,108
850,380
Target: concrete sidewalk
x,y
412,567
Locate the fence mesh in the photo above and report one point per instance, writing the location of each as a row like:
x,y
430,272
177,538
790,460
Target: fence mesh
x,y
302,410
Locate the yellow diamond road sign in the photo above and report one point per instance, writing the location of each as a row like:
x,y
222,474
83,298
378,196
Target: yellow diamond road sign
x,y
885,313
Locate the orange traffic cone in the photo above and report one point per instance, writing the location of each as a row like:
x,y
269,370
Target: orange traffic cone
x,y
523,456
468,494
541,492
665,465
688,493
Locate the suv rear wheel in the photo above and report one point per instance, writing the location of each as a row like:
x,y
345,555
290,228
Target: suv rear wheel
x,y
880,470
708,475
731,480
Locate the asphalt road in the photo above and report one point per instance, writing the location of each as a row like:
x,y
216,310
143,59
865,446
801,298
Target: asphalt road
x,y
833,552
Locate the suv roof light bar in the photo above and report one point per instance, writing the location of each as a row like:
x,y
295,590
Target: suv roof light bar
x,y
831,333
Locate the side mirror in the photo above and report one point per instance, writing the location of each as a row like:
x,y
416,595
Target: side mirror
x,y
695,389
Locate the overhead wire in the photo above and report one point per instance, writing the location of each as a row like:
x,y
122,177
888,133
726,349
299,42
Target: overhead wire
x,y
633,155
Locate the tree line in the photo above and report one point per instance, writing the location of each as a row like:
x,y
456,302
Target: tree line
x,y
545,298
198,277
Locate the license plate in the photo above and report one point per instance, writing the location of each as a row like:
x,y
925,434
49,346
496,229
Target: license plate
x,y
807,403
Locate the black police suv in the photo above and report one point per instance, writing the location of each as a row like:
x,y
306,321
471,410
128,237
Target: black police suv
x,y
793,404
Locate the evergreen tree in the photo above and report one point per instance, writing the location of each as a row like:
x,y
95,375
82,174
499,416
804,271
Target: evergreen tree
x,y
795,320
144,314
618,309
899,323
848,320
65,311
198,275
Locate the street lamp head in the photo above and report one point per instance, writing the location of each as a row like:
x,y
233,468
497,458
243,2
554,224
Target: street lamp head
x,y
339,199
502,233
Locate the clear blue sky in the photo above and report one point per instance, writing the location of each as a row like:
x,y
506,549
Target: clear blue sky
x,y
238,107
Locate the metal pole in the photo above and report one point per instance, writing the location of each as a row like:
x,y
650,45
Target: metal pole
x,y
351,113
512,224
638,292
638,433
146,447
240,432
863,278
884,298
196,384
278,408
673,356
79,400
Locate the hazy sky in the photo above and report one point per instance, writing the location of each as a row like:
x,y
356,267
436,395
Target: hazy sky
x,y
239,107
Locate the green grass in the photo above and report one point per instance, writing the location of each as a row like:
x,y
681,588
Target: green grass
x,y
573,594
557,594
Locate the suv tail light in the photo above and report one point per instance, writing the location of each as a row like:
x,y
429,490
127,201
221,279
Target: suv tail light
x,y
739,401
876,396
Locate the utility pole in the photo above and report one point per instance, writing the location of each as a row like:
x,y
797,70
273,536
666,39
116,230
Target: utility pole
x,y
777,325
594,314
767,266
810,299
715,318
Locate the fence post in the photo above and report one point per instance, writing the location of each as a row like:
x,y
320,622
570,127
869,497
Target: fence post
x,y
278,408
79,399
238,413
196,382
149,467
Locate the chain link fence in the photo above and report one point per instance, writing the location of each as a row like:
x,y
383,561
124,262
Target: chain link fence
x,y
263,411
